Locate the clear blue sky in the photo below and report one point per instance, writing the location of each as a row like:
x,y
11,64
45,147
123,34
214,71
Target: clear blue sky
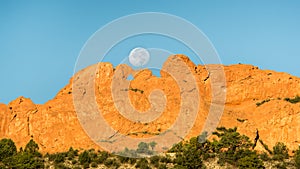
x,y
40,40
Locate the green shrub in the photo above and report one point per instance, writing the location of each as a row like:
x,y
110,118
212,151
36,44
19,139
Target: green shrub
x,y
280,152
25,160
94,165
72,153
282,165
293,100
264,156
142,163
262,102
33,148
112,163
102,156
231,146
180,167
60,157
123,159
86,165
57,157
74,161
61,166
30,158
108,162
162,166
116,164
143,148
84,157
234,148
152,145
165,159
132,161
250,161
93,155
231,140
7,149
190,157
2,166
297,158
154,160
128,153
176,148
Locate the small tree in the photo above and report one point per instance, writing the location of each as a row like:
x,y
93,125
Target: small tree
x,y
297,158
280,152
152,144
84,157
7,148
31,147
142,163
143,147
250,160
233,147
188,155
231,140
72,153
26,160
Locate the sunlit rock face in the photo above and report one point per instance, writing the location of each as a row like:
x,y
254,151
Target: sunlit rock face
x,y
55,125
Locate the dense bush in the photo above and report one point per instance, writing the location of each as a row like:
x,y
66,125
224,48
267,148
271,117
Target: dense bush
x,y
189,154
32,147
264,156
152,145
57,157
280,152
123,159
282,165
142,163
233,147
7,149
72,153
93,164
251,160
25,160
293,100
162,166
102,156
74,161
229,146
86,165
143,148
132,161
61,166
128,153
84,157
30,158
112,163
166,159
154,160
297,158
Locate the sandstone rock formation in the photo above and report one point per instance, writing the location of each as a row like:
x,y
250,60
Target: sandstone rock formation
x,y
55,125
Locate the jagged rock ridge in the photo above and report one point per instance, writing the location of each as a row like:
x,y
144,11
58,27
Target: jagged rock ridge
x,y
55,126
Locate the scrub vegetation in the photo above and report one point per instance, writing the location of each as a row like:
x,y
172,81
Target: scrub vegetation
x,y
228,149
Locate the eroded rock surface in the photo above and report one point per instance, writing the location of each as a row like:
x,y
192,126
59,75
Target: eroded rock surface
x,y
55,125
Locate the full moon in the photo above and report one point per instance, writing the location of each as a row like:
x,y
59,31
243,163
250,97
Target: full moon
x,y
139,57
